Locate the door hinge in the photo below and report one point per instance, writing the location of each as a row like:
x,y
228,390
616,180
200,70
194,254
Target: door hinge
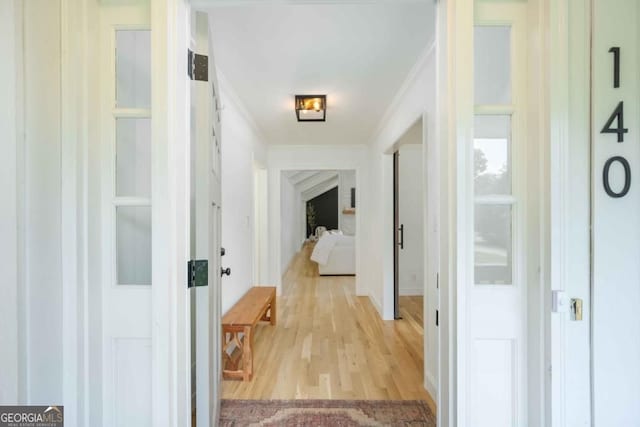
x,y
437,280
437,318
197,273
198,66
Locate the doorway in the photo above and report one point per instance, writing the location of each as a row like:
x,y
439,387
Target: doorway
x,y
336,143
318,209
409,218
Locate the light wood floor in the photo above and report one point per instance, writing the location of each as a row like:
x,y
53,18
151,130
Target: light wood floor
x,y
330,344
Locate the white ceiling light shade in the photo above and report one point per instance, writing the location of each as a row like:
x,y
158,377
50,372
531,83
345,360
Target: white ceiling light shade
x,y
311,108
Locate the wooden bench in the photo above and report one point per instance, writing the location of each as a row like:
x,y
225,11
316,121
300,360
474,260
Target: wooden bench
x,y
259,303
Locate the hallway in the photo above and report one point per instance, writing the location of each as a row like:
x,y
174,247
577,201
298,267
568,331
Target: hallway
x,y
331,344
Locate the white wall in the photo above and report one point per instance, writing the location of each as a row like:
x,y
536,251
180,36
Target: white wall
x,y
411,214
242,147
291,215
310,157
347,222
415,99
9,285
39,172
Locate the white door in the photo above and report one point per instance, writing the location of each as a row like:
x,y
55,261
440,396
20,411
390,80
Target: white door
x,y
126,214
495,345
205,232
616,212
206,208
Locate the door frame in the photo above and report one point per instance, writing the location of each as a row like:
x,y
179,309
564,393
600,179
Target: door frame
x,y
397,228
456,19
171,383
568,79
432,180
170,169
297,157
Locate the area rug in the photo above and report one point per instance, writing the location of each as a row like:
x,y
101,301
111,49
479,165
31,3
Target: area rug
x,y
338,413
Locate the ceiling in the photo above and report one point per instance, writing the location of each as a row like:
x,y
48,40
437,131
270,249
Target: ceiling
x,y
357,54
312,183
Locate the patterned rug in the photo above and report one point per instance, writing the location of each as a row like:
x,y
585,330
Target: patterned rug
x,y
334,413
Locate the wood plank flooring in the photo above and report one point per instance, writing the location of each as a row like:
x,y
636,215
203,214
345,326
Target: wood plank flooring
x,y
330,344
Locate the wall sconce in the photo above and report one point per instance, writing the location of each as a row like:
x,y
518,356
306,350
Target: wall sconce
x,y
311,108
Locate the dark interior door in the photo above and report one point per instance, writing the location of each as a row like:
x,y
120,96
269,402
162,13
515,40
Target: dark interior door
x,y
397,240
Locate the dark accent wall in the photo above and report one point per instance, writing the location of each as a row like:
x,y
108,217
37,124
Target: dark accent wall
x,y
326,206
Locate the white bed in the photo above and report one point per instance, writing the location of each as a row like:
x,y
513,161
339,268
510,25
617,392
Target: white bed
x,y
335,255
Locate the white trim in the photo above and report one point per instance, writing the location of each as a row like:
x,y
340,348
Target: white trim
x,y
430,384
134,113
204,4
569,65
414,73
387,240
9,173
375,303
303,157
559,159
24,388
163,14
228,94
445,131
431,210
72,143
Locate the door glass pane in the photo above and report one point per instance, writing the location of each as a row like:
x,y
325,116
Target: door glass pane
x,y
492,245
133,245
133,157
492,155
133,68
492,62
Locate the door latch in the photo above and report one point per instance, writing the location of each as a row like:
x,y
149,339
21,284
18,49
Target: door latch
x,y
576,309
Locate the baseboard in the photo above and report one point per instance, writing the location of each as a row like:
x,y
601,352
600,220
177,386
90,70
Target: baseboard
x,y
376,305
407,292
431,386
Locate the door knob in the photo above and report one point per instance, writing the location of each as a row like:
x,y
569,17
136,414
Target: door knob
x,y
226,271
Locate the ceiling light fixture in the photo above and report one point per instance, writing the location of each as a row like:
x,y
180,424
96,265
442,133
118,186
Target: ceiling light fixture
x,y
311,108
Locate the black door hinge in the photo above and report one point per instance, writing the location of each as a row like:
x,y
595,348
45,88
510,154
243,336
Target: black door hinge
x,y
197,273
437,318
198,66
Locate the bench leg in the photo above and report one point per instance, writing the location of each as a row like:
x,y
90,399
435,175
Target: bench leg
x,y
272,311
247,354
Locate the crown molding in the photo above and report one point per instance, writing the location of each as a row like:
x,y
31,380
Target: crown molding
x,y
427,53
230,95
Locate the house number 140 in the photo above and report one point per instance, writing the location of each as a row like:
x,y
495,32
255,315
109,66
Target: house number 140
x,y
618,117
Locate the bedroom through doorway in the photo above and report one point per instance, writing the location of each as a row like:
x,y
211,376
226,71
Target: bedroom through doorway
x,y
318,216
